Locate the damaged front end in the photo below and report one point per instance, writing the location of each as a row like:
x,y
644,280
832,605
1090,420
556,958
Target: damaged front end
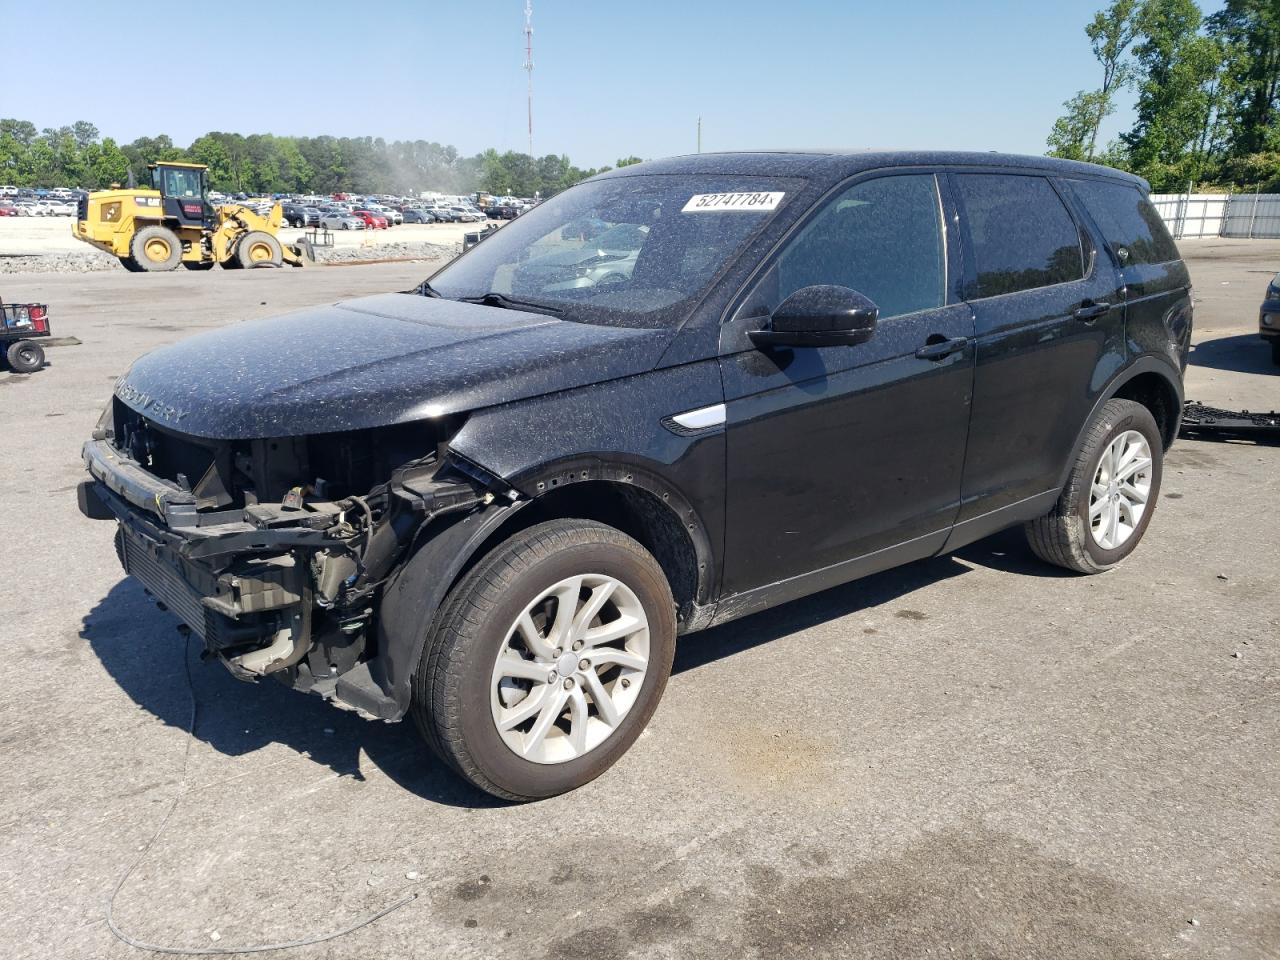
x,y
273,551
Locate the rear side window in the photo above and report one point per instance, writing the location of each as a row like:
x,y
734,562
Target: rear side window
x,y
1134,231
880,237
1022,235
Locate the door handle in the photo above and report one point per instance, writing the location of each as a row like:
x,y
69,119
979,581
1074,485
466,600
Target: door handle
x,y
1092,310
941,349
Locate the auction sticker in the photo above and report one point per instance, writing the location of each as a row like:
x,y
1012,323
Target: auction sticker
x,y
731,202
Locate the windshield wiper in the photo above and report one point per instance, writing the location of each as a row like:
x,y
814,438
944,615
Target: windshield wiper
x,y
425,289
511,303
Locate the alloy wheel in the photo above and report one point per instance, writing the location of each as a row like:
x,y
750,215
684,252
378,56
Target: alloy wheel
x,y
1120,491
570,669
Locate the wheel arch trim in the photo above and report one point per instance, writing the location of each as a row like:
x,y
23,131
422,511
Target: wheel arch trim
x,y
1148,364
414,595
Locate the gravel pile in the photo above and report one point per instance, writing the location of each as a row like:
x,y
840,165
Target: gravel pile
x,y
86,261
386,251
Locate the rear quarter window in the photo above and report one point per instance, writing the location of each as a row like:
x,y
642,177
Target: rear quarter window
x,y
1129,221
1020,231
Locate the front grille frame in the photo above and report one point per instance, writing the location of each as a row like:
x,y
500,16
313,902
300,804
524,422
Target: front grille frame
x,y
163,578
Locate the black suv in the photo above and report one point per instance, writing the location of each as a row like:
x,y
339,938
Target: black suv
x,y
494,501
299,215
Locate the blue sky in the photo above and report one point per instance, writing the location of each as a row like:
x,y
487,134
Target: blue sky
x,y
611,79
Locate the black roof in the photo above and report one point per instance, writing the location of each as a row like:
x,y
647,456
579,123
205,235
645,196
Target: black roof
x,y
838,164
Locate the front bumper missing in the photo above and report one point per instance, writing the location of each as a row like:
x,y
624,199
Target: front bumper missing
x,y
193,534
243,589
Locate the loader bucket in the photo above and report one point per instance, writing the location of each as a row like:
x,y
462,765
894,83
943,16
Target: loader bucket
x,y
299,254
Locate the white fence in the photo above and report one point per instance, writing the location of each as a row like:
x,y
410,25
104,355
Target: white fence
x,y
1220,214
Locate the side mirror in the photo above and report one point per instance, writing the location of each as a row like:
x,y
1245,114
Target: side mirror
x,y
820,316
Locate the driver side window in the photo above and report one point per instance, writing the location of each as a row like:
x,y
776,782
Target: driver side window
x,y
881,237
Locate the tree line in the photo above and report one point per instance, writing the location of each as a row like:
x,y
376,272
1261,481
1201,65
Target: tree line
x,y
262,163
1208,94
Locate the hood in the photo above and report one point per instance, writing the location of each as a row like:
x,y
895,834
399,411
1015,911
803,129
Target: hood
x,y
372,362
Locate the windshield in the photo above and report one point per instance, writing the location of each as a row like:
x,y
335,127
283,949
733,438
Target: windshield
x,y
176,182
632,251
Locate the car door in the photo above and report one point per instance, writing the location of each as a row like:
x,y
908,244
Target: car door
x,y
1153,278
844,452
1050,325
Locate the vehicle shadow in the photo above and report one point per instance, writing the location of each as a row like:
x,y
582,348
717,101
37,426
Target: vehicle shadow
x,y
1006,551
140,647
1245,353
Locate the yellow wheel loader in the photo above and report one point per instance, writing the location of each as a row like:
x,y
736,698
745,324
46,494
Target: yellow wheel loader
x,y
173,223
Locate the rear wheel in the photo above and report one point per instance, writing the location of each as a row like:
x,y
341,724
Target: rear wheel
x,y
258,249
1275,352
546,660
1110,494
156,249
25,357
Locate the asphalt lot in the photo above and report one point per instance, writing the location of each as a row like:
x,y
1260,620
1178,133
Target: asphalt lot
x,y
973,756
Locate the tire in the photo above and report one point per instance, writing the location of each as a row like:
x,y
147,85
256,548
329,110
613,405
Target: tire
x,y
257,249
156,249
457,694
25,356
130,264
1067,536
1275,352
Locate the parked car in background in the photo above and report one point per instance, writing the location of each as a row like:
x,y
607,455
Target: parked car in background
x,y
59,207
391,216
8,209
371,220
445,214
466,214
414,215
297,215
1269,319
341,221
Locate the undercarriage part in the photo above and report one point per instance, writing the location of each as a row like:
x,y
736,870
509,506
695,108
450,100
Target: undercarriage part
x,y
1201,421
289,646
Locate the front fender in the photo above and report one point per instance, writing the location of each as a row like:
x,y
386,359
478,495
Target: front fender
x,y
416,591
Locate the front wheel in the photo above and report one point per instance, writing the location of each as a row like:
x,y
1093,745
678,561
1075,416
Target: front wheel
x,y
1110,494
546,660
1275,352
258,249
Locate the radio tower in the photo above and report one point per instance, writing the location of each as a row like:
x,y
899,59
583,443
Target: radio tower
x,y
528,63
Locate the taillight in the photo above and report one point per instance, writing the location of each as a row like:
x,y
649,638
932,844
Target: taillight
x,y
37,313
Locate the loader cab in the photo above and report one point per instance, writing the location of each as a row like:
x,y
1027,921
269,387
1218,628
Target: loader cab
x,y
184,192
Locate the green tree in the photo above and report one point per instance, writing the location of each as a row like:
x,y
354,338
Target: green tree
x,y
1249,31
1178,89
1111,33
1075,132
